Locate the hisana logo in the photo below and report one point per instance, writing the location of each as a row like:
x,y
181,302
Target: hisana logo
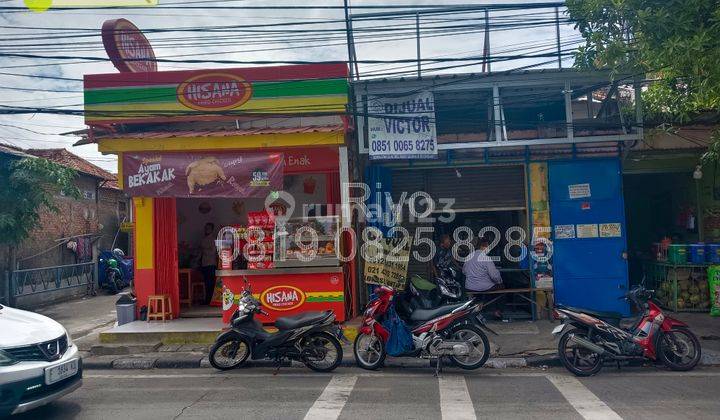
x,y
214,92
282,298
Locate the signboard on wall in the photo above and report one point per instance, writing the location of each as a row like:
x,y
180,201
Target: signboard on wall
x,y
220,94
202,174
402,127
390,266
127,47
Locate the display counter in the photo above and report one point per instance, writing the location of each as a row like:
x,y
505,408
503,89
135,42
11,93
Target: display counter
x,y
286,291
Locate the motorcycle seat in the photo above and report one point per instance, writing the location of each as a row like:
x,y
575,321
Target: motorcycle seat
x,y
428,314
301,320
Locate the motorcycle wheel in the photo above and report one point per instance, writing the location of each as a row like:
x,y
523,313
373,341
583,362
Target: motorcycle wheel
x,y
679,349
112,283
321,352
578,360
229,353
369,351
466,332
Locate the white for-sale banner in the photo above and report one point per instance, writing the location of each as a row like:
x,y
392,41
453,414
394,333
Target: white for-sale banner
x,y
402,127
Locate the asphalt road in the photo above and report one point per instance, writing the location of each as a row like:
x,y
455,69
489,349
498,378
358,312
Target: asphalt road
x,y
349,393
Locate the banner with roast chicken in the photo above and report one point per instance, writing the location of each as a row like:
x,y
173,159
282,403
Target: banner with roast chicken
x,y
212,174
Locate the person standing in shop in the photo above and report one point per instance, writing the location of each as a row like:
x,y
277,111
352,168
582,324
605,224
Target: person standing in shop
x,y
208,260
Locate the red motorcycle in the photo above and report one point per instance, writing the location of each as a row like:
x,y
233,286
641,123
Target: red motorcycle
x,y
449,330
596,337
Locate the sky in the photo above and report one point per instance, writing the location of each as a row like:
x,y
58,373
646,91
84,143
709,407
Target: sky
x,y
26,32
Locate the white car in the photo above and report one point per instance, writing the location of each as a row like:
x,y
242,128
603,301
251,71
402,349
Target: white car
x,y
38,361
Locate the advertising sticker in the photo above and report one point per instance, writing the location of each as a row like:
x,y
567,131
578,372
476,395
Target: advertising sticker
x,y
564,231
579,191
587,231
610,230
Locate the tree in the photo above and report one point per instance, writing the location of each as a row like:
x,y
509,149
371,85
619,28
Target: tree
x,y
26,187
673,42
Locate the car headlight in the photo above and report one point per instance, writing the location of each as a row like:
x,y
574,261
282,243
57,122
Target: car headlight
x,y
69,338
6,359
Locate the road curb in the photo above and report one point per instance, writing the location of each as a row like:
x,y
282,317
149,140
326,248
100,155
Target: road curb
x,y
185,361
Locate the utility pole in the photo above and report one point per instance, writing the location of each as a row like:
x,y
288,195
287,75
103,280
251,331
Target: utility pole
x,y
557,36
417,37
348,33
486,44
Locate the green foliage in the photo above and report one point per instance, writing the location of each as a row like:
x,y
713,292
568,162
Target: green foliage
x,y
27,186
677,42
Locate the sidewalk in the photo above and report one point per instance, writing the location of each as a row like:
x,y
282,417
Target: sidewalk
x,y
84,316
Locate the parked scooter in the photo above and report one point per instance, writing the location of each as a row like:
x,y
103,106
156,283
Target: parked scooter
x,y
589,338
450,330
310,338
443,290
114,279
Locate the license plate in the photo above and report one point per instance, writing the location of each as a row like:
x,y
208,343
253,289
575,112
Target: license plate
x,y
60,372
558,329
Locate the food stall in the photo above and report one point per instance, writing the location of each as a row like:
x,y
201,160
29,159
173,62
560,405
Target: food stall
x,y
305,276
243,151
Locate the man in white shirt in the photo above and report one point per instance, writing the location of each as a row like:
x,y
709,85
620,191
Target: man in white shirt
x,y
481,275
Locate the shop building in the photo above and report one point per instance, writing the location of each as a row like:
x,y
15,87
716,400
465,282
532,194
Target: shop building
x,y
532,160
241,159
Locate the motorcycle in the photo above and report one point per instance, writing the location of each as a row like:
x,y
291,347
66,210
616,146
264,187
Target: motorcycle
x,y
595,337
443,290
310,338
450,330
114,279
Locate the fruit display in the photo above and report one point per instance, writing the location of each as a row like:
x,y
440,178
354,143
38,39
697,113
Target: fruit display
x,y
692,290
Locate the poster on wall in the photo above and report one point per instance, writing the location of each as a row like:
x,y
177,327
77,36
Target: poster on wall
x,y
402,127
202,174
389,267
610,230
542,250
587,230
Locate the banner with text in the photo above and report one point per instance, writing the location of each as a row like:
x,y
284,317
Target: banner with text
x,y
202,174
402,127
387,264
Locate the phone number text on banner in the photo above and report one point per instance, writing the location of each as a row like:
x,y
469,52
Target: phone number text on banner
x,y
402,127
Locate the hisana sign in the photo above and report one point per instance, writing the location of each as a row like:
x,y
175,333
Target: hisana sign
x,y
214,92
127,47
402,127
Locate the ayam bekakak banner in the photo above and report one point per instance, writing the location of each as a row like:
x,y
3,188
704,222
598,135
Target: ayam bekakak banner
x,y
202,174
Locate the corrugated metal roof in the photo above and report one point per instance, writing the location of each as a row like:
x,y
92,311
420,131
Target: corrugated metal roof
x,y
164,134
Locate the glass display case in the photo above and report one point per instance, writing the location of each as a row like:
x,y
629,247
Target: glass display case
x,y
306,242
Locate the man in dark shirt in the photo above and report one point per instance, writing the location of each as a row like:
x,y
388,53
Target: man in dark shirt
x,y
443,256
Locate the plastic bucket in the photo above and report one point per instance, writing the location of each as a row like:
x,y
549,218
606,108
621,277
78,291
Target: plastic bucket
x,y
712,253
677,254
697,253
125,307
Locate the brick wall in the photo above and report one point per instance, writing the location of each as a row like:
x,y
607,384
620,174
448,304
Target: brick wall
x,y
73,217
111,211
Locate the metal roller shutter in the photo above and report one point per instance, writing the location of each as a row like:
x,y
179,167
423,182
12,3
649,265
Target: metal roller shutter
x,y
482,188
478,188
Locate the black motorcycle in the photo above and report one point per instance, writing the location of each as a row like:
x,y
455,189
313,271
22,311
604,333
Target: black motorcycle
x,y
310,338
445,289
